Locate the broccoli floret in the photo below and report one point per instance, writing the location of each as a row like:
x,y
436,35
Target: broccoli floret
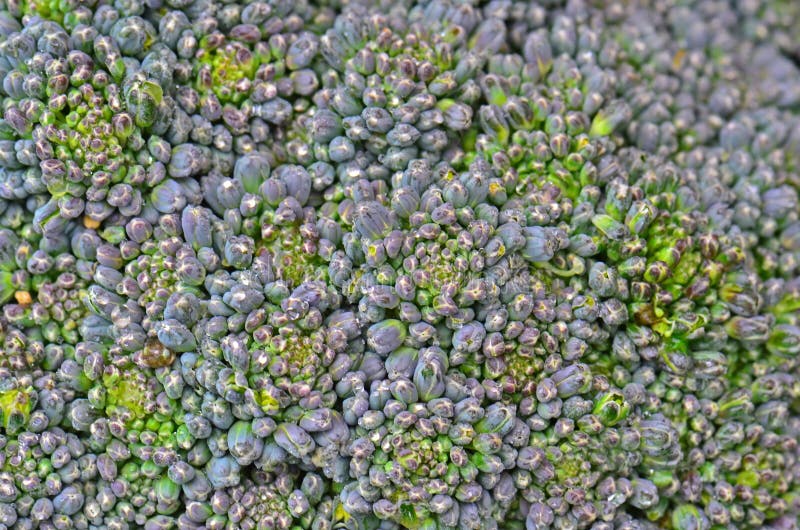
x,y
379,265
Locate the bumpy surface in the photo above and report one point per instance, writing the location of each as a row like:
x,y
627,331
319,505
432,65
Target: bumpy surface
x,y
457,265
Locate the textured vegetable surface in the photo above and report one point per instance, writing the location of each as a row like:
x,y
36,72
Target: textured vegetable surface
x,y
372,265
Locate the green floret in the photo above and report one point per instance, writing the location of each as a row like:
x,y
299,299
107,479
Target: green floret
x,y
16,406
228,69
126,392
83,132
144,99
687,517
131,395
61,11
299,351
292,254
612,408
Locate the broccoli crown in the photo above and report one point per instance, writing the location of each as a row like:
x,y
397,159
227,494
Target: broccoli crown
x,y
375,265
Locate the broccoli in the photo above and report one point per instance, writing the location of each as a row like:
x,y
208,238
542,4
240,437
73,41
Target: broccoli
x,y
425,265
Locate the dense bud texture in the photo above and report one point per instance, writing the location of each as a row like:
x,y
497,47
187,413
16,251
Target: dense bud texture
x,y
425,265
